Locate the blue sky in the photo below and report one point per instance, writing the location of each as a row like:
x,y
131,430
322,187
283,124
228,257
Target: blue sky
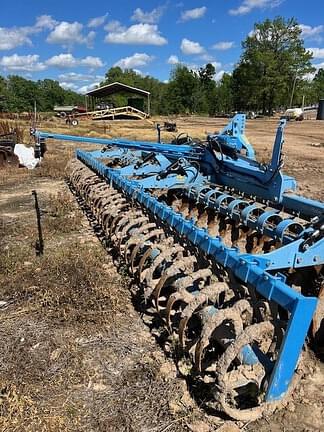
x,y
75,41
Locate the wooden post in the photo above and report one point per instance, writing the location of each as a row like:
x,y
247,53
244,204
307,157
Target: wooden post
x,y
148,105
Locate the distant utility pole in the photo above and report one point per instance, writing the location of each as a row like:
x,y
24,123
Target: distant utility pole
x,y
35,114
293,91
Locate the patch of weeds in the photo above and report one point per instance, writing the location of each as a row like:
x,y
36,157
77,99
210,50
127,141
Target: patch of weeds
x,y
54,163
7,127
63,216
13,406
68,284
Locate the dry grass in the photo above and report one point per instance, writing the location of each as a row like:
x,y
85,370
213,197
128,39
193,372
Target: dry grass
x,y
63,215
7,127
67,282
75,355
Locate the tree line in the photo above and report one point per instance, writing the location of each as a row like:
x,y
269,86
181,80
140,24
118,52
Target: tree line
x,y
18,94
274,71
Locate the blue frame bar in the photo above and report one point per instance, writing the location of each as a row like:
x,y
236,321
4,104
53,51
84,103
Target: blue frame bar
x,y
173,150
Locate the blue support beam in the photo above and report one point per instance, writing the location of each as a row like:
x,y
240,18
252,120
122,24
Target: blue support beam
x,y
173,150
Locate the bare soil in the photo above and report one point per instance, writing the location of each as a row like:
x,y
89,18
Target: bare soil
x,y
76,355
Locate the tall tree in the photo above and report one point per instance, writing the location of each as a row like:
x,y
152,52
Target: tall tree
x,y
50,94
273,63
224,94
18,94
3,94
182,90
318,85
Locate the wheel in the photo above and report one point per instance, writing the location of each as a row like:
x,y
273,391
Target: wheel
x,y
241,388
63,114
74,122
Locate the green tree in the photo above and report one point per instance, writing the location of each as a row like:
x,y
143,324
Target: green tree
x,y
18,94
3,94
182,90
206,75
318,86
21,94
206,90
273,63
50,94
224,103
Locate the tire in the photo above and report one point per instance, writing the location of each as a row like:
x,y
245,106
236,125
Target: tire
x,y
63,114
74,122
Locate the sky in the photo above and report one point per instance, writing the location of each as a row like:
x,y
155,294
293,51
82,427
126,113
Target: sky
x,y
77,41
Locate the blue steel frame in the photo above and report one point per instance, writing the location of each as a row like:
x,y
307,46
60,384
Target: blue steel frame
x,y
246,267
233,136
243,173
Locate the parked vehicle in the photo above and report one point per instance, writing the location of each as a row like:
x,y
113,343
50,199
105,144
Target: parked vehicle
x,y
64,110
104,105
293,114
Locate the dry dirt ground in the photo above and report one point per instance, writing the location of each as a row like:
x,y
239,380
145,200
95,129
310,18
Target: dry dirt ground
x,y
75,354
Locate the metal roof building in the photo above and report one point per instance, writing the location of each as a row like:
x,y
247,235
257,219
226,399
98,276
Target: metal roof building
x,y
113,88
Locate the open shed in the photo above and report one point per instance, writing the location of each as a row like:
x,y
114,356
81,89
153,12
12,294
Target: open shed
x,y
131,110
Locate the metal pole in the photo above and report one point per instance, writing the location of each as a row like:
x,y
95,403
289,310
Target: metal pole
x,y
39,245
148,105
158,128
35,114
293,91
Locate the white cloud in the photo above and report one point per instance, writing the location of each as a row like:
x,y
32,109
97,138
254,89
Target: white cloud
x,y
219,75
68,85
27,63
74,76
137,59
137,34
216,64
248,5
309,32
86,88
68,34
45,22
78,77
309,76
192,14
206,57
173,59
189,47
92,62
138,71
319,65
12,37
148,17
64,61
222,46
317,52
114,26
97,21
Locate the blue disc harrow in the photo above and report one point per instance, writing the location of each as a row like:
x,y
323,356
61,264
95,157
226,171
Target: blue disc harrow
x,y
222,250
